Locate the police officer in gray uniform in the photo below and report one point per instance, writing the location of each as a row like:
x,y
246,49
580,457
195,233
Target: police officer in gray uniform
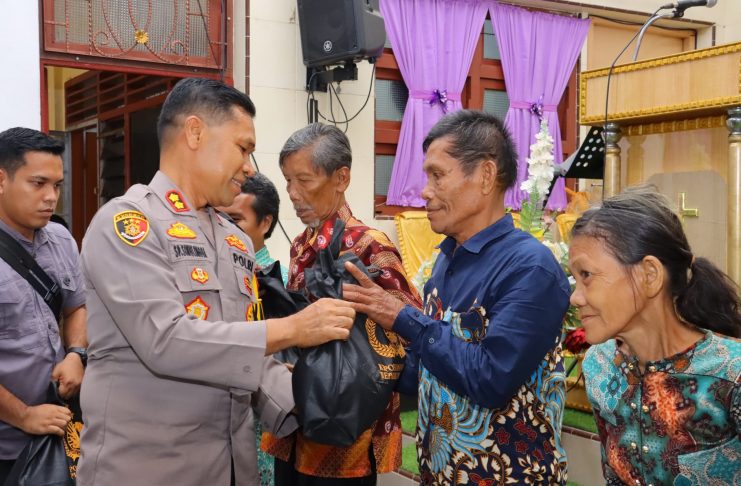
x,y
174,364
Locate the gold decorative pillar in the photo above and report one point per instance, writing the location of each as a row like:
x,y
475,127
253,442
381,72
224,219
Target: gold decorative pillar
x,y
733,227
611,183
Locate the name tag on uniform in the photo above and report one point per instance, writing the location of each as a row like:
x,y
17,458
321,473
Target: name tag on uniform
x,y
178,252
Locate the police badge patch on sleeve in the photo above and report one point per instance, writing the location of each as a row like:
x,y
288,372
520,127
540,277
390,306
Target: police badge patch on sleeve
x,y
131,226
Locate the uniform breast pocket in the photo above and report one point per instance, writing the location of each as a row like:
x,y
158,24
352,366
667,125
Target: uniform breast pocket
x,y
12,305
18,326
245,282
196,277
239,295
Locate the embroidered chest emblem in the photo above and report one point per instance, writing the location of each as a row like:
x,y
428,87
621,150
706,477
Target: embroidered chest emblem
x,y
197,308
176,202
199,275
179,230
131,226
247,285
232,240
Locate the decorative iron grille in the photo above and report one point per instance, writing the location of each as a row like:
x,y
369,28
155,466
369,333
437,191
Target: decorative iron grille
x,y
181,32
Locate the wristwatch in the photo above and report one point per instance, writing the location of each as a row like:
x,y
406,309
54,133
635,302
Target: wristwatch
x,y
82,352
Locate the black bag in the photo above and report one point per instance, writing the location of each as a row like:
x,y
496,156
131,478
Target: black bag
x,y
277,301
44,460
342,387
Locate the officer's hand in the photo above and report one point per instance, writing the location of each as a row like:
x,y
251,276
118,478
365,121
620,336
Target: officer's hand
x,y
45,419
324,320
69,375
370,299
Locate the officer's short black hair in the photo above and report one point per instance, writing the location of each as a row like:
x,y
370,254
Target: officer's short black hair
x,y
207,98
266,202
16,142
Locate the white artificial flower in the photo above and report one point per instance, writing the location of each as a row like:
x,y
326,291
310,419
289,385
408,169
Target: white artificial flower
x,y
540,164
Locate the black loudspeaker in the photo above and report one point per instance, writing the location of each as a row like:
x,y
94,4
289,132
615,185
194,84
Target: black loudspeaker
x,y
333,31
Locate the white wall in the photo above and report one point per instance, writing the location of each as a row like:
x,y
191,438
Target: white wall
x,y
20,100
277,78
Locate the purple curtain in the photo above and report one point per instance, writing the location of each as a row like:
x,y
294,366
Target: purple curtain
x,y
538,51
433,41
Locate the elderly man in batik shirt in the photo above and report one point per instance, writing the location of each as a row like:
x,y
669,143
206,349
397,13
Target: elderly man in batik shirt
x,y
316,164
485,354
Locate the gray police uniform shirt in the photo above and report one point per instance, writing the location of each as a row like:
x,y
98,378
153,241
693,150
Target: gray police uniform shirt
x,y
30,345
173,365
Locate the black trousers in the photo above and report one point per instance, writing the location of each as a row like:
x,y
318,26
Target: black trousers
x,y
286,475
5,467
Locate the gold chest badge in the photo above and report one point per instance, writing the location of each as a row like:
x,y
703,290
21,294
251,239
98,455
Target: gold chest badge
x,y
199,275
131,226
179,230
232,240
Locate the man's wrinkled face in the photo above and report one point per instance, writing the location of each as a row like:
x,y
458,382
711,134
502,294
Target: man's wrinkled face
x,y
315,195
453,197
28,198
605,294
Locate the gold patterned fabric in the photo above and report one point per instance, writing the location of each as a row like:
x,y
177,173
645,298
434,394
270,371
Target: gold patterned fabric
x,y
417,241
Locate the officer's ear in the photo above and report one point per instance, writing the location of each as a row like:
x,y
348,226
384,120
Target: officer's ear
x,y
264,225
194,127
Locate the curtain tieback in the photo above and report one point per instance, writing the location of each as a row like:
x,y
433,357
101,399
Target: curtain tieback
x,y
435,96
537,108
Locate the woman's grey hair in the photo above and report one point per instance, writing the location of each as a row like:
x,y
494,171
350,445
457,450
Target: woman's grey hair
x,y
330,147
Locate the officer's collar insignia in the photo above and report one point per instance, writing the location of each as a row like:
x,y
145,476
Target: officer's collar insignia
x,y
199,275
131,226
179,230
197,308
176,201
232,240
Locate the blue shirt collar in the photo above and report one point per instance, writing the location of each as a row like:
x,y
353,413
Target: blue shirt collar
x,y
475,243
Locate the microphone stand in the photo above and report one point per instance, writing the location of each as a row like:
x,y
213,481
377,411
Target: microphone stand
x,y
611,132
654,18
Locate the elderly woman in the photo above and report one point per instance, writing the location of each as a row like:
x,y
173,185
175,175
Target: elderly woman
x,y
663,380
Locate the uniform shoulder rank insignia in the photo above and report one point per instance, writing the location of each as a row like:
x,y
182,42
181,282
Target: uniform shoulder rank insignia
x,y
197,308
232,240
176,201
199,275
131,226
179,230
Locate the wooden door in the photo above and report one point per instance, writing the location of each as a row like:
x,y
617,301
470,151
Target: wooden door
x,y
85,179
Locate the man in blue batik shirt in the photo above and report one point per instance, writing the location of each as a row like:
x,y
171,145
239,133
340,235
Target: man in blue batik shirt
x,y
485,356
